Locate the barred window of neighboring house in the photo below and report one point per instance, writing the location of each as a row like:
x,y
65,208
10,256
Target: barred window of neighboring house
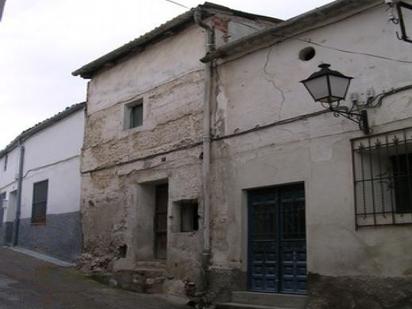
x,y
2,199
40,190
382,168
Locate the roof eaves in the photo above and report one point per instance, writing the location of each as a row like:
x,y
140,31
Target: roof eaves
x,y
110,59
41,126
88,70
220,8
294,26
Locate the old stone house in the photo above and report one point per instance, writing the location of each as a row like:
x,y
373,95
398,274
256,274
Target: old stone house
x,y
226,176
40,186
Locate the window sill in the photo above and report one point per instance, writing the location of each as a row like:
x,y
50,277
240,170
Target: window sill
x,y
384,220
128,131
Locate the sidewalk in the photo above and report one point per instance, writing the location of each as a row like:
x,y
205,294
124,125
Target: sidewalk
x,y
41,256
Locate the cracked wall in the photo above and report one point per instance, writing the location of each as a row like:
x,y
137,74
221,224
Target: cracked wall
x,y
257,90
121,166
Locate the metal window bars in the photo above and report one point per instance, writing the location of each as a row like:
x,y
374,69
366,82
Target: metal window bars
x,y
382,171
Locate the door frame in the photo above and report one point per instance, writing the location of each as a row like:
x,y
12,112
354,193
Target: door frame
x,y
247,222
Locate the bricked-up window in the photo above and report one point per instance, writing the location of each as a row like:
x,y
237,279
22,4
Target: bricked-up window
x,y
382,168
40,190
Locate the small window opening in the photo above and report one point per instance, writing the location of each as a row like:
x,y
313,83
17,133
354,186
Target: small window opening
x,y
188,215
307,53
134,114
122,251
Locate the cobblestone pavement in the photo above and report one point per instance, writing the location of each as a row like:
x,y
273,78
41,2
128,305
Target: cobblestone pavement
x,y
27,283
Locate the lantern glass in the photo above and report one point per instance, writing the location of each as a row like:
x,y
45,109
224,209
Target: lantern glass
x,y
327,86
316,87
338,86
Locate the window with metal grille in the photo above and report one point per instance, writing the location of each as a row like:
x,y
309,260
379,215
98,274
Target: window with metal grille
x,y
405,20
382,168
40,190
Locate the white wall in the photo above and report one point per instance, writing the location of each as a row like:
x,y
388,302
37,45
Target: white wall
x,y
54,154
263,87
155,66
8,176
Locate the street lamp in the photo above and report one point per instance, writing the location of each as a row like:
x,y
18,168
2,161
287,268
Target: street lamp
x,y
329,88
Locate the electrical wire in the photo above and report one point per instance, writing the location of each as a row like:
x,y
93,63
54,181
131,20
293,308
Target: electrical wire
x,y
177,3
353,52
309,41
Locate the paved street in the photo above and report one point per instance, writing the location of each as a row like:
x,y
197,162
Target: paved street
x,y
28,283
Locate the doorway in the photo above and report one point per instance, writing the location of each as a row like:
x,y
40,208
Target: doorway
x,y
160,221
277,240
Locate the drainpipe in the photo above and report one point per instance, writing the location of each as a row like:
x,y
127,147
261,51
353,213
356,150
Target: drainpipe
x,y
210,46
19,193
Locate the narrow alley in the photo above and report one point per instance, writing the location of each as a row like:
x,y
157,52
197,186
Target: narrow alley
x,y
27,283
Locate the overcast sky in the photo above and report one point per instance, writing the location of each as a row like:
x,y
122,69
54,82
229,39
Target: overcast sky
x,y
43,41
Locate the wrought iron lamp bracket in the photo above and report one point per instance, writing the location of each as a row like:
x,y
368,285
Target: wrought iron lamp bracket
x,y
400,19
360,117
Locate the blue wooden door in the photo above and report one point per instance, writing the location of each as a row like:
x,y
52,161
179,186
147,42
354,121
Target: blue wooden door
x,y
277,240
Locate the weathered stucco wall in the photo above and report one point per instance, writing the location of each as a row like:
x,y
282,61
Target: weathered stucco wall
x,y
262,88
118,197
121,167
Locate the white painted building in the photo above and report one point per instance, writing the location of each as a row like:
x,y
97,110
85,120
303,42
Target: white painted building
x,y
43,163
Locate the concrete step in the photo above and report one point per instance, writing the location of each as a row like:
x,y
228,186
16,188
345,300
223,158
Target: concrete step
x,y
153,274
268,299
244,306
150,265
